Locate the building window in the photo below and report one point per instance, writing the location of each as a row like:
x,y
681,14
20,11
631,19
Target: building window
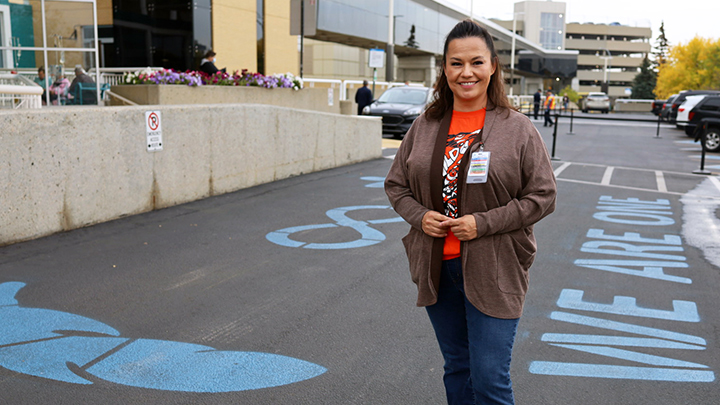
x,y
261,36
551,30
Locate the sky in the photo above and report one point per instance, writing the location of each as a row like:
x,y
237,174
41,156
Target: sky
x,y
683,19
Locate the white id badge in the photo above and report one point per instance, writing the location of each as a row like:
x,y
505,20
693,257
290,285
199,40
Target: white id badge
x,y
479,166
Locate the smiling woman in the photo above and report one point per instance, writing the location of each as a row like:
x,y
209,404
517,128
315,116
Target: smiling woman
x,y
472,243
477,44
468,69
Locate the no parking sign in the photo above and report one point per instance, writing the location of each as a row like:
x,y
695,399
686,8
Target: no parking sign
x,y
153,130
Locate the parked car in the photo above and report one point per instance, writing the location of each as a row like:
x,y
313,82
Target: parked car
x,y
657,106
682,120
705,117
596,101
665,112
672,117
399,107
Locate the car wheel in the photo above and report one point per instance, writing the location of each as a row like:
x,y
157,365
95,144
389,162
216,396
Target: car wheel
x,y
689,131
712,140
584,111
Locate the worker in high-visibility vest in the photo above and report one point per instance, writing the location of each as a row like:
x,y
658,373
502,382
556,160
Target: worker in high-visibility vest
x,y
549,106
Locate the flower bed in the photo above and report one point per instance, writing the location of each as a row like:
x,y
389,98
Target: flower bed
x,y
193,78
168,87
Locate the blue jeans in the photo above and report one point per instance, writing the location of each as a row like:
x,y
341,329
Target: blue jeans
x,y
477,348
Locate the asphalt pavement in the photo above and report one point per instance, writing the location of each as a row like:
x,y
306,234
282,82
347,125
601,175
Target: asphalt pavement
x,y
297,291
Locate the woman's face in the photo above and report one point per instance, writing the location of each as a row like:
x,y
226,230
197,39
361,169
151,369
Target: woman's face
x,y
468,68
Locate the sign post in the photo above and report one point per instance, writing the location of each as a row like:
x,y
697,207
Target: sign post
x,y
153,130
375,61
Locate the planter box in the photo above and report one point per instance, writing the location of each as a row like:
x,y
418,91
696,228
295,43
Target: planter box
x,y
171,94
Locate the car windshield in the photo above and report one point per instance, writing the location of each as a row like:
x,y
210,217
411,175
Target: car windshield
x,y
404,96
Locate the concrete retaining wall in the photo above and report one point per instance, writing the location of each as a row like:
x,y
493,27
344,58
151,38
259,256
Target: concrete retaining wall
x,y
625,105
66,168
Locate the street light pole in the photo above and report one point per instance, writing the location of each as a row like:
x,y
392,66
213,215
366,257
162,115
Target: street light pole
x,y
390,47
512,56
606,85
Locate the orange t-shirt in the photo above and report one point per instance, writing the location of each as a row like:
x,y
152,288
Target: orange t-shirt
x,y
463,127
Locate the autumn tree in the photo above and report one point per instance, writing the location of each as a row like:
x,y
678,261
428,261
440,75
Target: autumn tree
x,y
643,85
691,66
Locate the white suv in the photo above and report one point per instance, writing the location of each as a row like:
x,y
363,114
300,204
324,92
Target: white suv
x,y
596,101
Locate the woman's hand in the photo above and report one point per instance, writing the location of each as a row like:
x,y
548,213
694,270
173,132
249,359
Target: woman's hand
x,y
432,224
464,228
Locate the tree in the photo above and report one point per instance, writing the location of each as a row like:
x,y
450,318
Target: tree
x,y
411,42
643,85
695,66
662,45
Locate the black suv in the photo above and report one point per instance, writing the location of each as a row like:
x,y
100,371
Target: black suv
x,y
657,106
705,118
681,97
667,107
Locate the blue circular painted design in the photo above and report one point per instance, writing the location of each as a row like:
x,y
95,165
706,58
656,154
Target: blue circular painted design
x,y
55,345
368,235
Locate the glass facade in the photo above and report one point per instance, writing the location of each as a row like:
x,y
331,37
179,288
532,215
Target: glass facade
x,y
169,33
3,35
551,30
202,28
369,19
260,7
556,66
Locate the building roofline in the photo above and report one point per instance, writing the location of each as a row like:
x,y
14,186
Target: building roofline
x,y
499,32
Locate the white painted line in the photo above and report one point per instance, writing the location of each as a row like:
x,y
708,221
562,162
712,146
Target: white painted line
x,y
637,169
692,149
648,190
660,179
715,181
607,176
711,157
391,157
561,168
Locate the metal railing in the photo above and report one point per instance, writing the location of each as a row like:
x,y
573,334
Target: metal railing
x,y
18,92
349,84
557,114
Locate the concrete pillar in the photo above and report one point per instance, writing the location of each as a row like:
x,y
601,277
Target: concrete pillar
x,y
417,69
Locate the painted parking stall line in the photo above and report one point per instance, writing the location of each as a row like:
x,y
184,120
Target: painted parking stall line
x,y
648,254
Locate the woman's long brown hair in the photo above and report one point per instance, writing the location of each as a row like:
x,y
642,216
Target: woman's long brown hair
x,y
496,89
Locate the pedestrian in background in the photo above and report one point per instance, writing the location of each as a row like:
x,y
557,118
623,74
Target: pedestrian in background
x,y
549,107
207,64
471,240
566,101
59,89
363,97
40,80
89,95
536,103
